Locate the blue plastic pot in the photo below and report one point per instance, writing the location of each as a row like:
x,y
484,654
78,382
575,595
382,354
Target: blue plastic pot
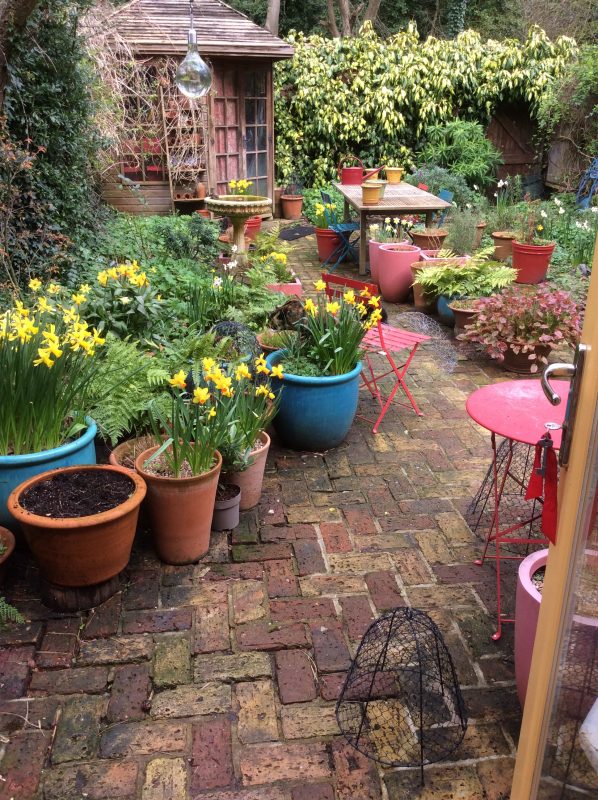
x,y
16,469
314,413
445,314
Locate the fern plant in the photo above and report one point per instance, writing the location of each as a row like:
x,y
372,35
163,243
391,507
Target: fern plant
x,y
9,613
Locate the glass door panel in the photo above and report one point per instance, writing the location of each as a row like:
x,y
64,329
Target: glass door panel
x,y
227,133
256,131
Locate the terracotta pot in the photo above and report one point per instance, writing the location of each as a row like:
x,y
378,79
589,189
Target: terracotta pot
x,y
429,239
463,316
81,551
253,227
266,348
394,269
394,174
291,205
226,512
277,203
503,241
531,261
7,539
520,362
426,303
124,454
479,232
203,212
374,253
252,478
180,511
200,190
327,242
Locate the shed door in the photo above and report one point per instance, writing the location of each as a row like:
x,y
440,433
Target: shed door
x,y
242,127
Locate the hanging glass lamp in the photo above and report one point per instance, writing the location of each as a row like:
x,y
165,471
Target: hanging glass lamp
x,y
193,77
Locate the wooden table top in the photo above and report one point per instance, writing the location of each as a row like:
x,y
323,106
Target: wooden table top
x,y
398,197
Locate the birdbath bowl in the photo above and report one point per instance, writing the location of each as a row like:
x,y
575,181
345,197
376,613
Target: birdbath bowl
x,y
238,208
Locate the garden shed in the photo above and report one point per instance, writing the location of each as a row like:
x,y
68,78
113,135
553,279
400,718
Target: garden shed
x,y
176,150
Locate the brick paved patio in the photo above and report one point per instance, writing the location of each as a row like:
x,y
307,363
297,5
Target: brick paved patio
x,y
218,681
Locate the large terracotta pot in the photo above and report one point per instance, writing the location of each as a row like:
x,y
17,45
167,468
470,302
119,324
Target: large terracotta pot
x,y
503,241
81,551
531,261
429,239
374,253
125,453
7,540
463,316
180,511
520,362
423,302
394,270
327,242
291,205
251,479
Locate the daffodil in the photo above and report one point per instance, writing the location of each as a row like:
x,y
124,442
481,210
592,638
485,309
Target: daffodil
x,y
44,358
201,396
262,390
97,339
212,412
320,285
178,380
333,308
242,371
365,292
53,288
85,288
78,298
349,297
208,364
44,306
277,371
35,284
310,306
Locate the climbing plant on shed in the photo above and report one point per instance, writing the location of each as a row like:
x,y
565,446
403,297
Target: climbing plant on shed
x,y
377,97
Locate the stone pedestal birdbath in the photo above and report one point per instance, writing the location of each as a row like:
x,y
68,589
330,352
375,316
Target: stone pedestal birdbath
x,y
238,208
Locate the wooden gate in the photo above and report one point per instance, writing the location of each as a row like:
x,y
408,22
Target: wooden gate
x,y
511,130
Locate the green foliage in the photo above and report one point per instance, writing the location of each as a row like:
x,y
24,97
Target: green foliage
x,y
462,148
462,232
437,178
47,102
313,198
375,97
477,277
9,613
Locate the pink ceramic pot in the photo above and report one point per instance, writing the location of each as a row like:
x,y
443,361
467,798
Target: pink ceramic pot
x,y
394,270
374,253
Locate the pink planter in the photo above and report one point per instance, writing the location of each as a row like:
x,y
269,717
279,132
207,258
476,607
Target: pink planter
x,y
394,270
427,255
374,252
292,289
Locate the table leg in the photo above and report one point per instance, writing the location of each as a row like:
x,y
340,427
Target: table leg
x,y
429,219
346,211
362,243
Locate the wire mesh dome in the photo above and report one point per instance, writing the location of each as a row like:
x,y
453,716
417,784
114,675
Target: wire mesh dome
x,y
244,339
401,704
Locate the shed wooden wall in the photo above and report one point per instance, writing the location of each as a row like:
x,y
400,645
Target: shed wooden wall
x,y
150,198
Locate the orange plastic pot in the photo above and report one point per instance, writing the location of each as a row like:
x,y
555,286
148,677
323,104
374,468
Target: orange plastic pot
x,y
531,261
251,479
81,551
327,242
180,511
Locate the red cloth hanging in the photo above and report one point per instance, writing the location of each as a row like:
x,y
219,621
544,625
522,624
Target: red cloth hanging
x,y
543,484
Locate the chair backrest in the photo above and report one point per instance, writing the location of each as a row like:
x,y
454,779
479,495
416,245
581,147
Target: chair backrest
x,y
336,285
331,217
422,186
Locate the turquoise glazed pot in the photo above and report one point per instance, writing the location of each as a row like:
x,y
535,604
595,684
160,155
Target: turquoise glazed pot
x,y
445,314
314,413
16,469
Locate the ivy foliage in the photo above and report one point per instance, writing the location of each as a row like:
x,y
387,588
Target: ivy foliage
x,y
376,98
48,107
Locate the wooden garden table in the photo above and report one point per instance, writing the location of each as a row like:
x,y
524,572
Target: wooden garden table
x,y
399,198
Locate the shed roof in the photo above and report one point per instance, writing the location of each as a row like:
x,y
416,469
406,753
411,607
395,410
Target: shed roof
x,y
160,27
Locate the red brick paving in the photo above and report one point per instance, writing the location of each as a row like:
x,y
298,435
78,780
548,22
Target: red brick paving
x,y
186,683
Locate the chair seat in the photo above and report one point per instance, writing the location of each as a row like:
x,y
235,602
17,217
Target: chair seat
x,y
344,227
395,339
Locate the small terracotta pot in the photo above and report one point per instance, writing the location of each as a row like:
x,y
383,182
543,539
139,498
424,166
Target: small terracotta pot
x,y
422,301
8,540
251,479
503,241
531,261
226,512
463,316
394,270
291,205
125,453
429,239
180,511
81,551
200,190
479,232
520,362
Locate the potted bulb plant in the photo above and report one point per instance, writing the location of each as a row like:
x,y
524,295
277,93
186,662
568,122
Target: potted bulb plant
x,y
520,326
182,471
531,253
503,218
47,363
319,388
327,241
390,232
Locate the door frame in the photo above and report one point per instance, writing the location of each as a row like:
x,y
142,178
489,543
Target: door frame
x,y
559,583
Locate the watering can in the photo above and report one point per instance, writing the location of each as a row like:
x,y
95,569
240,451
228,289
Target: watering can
x,y
354,175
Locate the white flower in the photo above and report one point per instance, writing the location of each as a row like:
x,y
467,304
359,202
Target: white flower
x,y
594,209
234,248
125,300
577,223
467,205
500,184
396,220
557,201
387,221
586,225
561,210
543,214
496,194
476,187
217,282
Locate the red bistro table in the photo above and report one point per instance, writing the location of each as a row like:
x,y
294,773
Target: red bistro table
x,y
519,412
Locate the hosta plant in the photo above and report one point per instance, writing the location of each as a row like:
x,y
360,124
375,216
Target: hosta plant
x,y
521,319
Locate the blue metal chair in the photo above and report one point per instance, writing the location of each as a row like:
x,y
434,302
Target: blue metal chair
x,y
443,194
346,246
588,186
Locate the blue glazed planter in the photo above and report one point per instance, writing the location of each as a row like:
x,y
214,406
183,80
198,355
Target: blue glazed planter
x,y
445,314
314,413
16,469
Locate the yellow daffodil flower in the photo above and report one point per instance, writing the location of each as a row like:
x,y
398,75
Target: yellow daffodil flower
x,y
44,306
44,358
365,292
277,371
212,412
103,278
242,371
35,284
20,309
320,285
362,309
349,297
53,288
310,306
78,298
85,288
262,390
333,308
201,396
178,380
112,273
374,301
262,369
97,339
208,364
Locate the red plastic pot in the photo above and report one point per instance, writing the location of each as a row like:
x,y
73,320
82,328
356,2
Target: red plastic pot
x,y
252,227
327,242
394,270
531,261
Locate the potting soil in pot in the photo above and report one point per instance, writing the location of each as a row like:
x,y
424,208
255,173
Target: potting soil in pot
x,y
226,491
77,494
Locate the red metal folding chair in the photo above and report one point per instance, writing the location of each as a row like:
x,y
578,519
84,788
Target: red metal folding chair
x,y
385,340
